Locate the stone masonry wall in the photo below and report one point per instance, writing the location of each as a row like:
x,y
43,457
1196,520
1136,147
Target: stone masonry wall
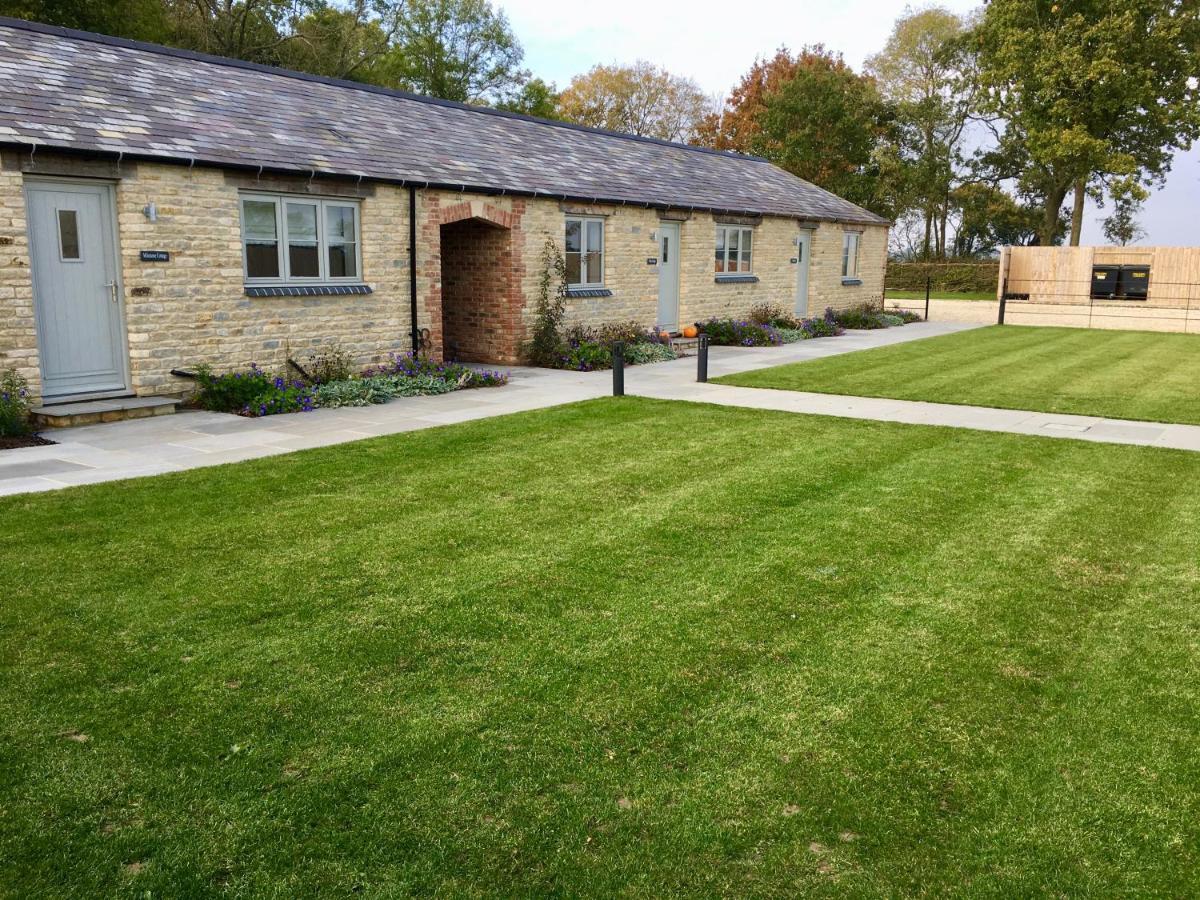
x,y
194,310
629,242
18,333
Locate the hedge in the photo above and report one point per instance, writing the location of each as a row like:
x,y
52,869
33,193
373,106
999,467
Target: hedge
x,y
945,276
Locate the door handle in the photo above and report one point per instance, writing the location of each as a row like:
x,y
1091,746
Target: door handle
x,y
112,290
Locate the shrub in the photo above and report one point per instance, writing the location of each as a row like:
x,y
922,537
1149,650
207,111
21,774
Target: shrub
x,y
588,348
411,366
735,333
352,392
585,356
14,404
947,276
333,362
862,316
826,326
764,313
545,342
642,352
907,316
253,393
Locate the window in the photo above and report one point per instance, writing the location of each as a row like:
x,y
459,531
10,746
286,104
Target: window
x,y
733,249
299,239
850,254
68,235
585,253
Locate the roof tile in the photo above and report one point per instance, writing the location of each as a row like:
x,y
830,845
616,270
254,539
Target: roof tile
x,y
155,102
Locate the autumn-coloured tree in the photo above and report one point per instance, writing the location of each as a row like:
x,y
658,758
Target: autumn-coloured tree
x,y
640,99
811,114
735,125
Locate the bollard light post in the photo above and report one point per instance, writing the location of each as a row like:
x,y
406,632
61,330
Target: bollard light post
x,y
618,359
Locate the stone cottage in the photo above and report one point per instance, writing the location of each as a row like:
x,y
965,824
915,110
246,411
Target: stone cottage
x,y
160,209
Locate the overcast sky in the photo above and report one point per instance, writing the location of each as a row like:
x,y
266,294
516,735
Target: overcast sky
x,y
716,42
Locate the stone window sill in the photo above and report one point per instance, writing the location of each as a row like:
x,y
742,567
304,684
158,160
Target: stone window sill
x,y
589,292
736,279
851,282
305,290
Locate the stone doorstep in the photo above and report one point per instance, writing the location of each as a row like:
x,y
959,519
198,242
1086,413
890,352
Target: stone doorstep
x,y
93,412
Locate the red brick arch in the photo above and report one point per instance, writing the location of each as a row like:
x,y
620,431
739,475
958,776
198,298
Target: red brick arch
x,y
480,299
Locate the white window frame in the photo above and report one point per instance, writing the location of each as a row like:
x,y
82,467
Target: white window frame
x,y
281,235
584,250
723,232
850,239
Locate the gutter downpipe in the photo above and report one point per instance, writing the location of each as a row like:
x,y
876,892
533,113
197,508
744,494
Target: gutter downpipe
x,y
412,267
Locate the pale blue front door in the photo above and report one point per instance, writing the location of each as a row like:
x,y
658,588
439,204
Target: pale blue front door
x,y
803,254
668,276
77,301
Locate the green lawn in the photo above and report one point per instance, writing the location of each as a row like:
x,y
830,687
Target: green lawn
x,y
1118,374
941,295
625,646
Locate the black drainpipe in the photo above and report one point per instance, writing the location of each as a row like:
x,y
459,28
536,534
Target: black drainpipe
x,y
412,265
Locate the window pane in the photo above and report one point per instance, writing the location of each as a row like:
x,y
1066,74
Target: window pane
x,y
342,261
746,251
595,236
339,223
303,261
732,241
262,259
574,235
302,222
573,263
68,234
594,273
720,249
259,219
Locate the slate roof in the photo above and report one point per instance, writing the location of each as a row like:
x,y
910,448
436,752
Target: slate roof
x,y
80,91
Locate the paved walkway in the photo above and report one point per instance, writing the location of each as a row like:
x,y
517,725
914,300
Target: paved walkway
x,y
189,440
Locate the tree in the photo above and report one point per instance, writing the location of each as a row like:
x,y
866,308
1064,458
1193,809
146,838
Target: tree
x,y
640,99
824,124
252,30
143,20
988,218
1086,91
736,124
346,41
1121,227
536,98
924,72
460,50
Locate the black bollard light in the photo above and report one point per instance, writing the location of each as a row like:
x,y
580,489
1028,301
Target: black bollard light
x,y
618,356
702,359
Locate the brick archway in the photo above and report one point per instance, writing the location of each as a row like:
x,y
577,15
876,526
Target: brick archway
x,y
480,283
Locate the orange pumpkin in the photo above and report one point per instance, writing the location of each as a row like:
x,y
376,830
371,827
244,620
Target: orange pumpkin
x,y
665,335
690,331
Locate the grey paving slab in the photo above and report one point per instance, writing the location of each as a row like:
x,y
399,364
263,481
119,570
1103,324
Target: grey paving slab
x,y
29,468
27,486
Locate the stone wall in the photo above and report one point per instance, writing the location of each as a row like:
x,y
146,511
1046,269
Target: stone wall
x,y
194,309
18,332
630,242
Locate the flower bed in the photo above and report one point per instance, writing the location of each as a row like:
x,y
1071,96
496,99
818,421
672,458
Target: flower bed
x,y
768,326
258,393
868,317
587,349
